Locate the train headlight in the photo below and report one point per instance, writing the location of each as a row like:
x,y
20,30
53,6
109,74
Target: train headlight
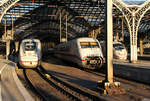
x,y
84,59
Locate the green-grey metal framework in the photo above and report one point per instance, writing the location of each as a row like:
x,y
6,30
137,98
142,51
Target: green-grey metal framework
x,y
41,19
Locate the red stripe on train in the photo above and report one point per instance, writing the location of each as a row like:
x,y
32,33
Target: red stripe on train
x,y
31,61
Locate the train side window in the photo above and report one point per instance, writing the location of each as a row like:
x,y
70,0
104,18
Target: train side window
x,y
118,46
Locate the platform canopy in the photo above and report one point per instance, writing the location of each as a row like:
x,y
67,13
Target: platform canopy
x,y
46,19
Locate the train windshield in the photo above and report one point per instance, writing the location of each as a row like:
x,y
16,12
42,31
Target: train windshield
x,y
89,45
118,46
29,46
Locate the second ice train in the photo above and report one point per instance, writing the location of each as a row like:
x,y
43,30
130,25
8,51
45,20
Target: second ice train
x,y
85,52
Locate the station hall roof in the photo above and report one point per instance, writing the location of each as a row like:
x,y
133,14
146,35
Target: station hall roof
x,y
46,19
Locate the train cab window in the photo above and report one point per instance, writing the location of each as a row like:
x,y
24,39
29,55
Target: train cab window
x,y
118,46
84,44
89,45
94,45
29,46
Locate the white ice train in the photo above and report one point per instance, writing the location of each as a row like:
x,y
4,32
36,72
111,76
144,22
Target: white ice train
x,y
30,53
85,52
119,50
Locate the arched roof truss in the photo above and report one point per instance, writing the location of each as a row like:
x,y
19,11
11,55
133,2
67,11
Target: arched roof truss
x,y
83,16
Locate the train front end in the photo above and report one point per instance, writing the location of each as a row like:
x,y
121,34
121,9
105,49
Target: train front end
x,y
29,60
119,51
91,55
29,56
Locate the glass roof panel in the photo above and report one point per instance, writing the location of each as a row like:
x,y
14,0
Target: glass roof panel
x,y
134,2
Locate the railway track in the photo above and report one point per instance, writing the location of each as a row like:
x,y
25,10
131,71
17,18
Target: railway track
x,y
47,82
129,95
41,97
135,91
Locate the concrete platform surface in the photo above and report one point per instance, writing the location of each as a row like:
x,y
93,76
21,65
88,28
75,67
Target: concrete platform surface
x,y
11,89
139,71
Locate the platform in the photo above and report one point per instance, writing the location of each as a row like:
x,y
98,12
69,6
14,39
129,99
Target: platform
x,y
11,89
139,71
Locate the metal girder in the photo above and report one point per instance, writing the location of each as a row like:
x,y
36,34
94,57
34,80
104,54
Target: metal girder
x,y
56,22
80,23
94,33
5,6
63,4
47,29
133,16
75,8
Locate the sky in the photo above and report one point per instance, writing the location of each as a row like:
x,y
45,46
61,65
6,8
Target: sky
x,y
134,0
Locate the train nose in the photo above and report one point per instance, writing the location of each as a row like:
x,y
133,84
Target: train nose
x,y
93,61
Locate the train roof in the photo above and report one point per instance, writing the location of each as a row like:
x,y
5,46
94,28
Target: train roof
x,y
117,42
24,40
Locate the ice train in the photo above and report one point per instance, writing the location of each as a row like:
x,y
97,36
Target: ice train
x,y
30,53
119,50
85,52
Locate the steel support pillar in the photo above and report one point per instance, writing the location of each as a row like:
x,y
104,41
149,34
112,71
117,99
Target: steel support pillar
x,y
16,46
133,38
108,86
133,55
133,16
109,42
60,28
122,29
141,47
6,5
7,49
